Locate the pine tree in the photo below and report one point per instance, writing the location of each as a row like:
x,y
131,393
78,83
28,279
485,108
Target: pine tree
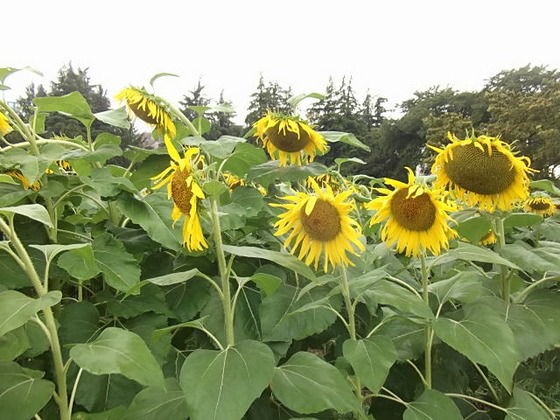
x,y
267,97
196,98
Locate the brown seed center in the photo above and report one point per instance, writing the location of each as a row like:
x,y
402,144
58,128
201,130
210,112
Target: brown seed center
x,y
323,223
180,192
477,171
413,213
539,205
287,141
143,113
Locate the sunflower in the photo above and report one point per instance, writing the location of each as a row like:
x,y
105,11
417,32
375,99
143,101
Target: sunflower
x,y
489,239
149,108
16,174
289,139
233,181
185,192
5,127
319,224
540,205
415,217
482,171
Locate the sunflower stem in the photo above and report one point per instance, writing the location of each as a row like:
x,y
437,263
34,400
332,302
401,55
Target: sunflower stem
x,y
224,273
428,335
41,290
183,119
505,279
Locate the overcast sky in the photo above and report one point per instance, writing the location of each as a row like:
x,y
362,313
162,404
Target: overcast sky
x,y
392,48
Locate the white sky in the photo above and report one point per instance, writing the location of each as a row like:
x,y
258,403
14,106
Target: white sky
x,y
392,48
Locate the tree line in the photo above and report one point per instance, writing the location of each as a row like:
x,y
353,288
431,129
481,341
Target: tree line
x,y
521,106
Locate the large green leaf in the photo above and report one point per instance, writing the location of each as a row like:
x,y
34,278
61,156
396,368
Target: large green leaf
x,y
103,392
465,286
33,211
532,260
78,323
432,405
221,385
308,384
244,157
79,263
266,173
50,251
153,220
522,220
116,117
157,404
119,351
73,105
174,278
284,260
371,359
16,308
106,184
474,228
408,336
483,336
524,407
15,343
120,269
385,292
281,320
469,252
22,391
348,138
116,413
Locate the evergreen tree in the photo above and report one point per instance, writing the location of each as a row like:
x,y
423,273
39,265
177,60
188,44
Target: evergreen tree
x,y
195,98
24,104
267,97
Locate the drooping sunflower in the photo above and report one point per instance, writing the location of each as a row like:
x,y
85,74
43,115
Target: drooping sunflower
x,y
5,127
185,192
233,182
489,239
416,218
319,225
289,139
540,205
149,108
16,174
482,171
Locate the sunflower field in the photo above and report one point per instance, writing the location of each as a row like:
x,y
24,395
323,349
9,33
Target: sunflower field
x,y
238,278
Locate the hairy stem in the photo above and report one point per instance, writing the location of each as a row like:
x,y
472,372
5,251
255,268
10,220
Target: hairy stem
x,y
428,336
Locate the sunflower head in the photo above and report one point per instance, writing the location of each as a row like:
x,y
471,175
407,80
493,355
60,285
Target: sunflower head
x,y
185,192
149,108
489,239
289,139
16,174
540,205
482,171
319,225
5,127
233,181
416,218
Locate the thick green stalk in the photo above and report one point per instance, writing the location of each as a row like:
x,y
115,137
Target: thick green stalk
x,y
505,279
61,396
224,273
428,328
345,289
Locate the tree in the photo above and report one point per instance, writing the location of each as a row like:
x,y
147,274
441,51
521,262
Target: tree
x,y
267,97
195,99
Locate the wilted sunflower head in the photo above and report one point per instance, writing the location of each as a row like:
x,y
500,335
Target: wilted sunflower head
x,y
416,218
16,174
233,181
320,225
5,127
482,171
489,239
185,192
540,205
149,108
289,139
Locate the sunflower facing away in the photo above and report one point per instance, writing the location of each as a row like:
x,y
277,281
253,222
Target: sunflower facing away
x,y
183,189
288,139
16,174
4,125
482,171
148,108
319,224
540,205
415,217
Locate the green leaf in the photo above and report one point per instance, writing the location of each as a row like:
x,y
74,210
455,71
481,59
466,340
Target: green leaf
x,y
308,384
219,149
73,105
281,320
104,392
119,351
340,161
386,292
160,75
465,286
157,403
107,185
116,117
7,179
469,252
120,269
174,278
14,344
116,413
266,173
371,359
521,220
348,138
16,308
432,405
474,228
78,323
408,336
221,385
244,157
153,214
33,211
79,263
296,99
284,260
545,185
532,260
50,251
22,391
268,283
524,407
483,336
214,188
